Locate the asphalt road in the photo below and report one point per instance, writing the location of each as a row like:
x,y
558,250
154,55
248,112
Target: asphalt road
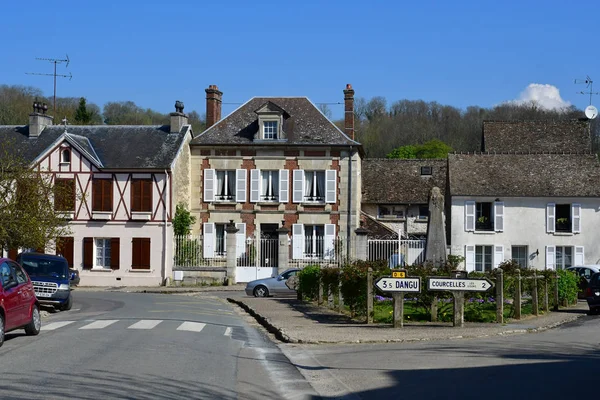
x,y
147,346
555,364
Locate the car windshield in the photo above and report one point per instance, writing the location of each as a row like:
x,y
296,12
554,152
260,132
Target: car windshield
x,y
44,267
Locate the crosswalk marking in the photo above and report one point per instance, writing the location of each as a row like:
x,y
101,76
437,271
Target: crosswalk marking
x,y
227,331
146,324
55,325
191,326
100,324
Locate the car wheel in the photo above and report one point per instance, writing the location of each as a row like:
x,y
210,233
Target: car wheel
x,y
33,328
261,291
1,330
67,305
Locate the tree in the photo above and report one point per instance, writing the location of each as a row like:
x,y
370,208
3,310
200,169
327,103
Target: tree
x,y
432,149
82,115
408,151
182,220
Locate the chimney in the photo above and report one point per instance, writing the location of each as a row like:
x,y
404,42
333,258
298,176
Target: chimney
x,y
349,111
38,119
213,105
178,118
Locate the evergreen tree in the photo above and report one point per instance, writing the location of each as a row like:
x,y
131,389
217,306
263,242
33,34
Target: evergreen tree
x,y
82,115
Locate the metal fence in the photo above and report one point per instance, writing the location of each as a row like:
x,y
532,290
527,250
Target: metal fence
x,y
318,250
396,252
187,253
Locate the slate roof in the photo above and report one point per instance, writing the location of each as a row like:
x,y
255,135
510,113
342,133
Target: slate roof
x,y
571,136
306,125
393,181
524,175
115,146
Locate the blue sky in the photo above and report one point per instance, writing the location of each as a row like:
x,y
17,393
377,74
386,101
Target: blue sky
x,y
459,53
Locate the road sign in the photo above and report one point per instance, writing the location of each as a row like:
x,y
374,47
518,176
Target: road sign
x,y
387,284
467,285
398,273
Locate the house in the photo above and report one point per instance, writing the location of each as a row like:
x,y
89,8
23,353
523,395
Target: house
x,y
126,180
533,197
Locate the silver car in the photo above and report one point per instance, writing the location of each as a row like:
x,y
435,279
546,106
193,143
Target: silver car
x,y
271,286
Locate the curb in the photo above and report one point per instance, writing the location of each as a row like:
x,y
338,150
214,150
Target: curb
x,y
279,333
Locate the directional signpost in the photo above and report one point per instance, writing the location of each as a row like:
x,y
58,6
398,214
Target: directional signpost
x,y
397,285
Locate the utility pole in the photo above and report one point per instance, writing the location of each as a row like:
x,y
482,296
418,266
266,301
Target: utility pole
x,y
55,61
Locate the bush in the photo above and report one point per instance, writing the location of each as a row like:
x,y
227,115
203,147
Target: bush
x,y
568,286
354,283
309,279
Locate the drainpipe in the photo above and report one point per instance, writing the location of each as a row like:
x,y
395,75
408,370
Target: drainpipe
x,y
165,258
349,219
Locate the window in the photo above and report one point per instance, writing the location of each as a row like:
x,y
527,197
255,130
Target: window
x,y
65,156
141,195
225,186
390,211
140,253
269,186
483,258
423,212
289,274
5,273
564,257
221,240
102,253
563,218
313,243
426,170
520,255
270,130
19,273
483,217
64,195
102,195
314,186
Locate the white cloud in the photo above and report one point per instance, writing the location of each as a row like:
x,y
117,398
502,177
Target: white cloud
x,y
546,96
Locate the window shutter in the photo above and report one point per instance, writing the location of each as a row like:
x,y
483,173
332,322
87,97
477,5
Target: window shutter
x,y
329,244
136,251
330,186
499,216
550,257
13,253
297,241
107,196
64,247
284,186
240,240
146,200
254,185
115,254
576,220
208,240
97,195
209,185
469,216
470,258
240,181
498,255
579,256
88,252
136,198
145,253
550,218
298,185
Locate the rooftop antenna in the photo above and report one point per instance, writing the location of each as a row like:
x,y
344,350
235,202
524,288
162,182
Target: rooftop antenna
x,y
55,61
589,84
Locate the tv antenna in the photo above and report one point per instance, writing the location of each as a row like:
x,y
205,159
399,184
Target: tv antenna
x,y
55,61
589,84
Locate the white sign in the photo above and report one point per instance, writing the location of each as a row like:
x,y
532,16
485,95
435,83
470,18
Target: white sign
x,y
468,285
399,284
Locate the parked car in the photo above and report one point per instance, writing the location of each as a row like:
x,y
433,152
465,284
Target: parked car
x,y
18,305
271,286
585,273
592,293
51,278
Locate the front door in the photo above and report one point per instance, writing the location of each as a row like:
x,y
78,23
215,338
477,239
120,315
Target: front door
x,y
269,246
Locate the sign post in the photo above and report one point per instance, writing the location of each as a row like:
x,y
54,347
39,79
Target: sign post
x,y
398,284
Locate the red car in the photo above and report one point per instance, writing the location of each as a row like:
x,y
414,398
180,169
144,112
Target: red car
x,y
19,307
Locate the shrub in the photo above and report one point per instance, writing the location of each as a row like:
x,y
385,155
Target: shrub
x,y
309,279
568,286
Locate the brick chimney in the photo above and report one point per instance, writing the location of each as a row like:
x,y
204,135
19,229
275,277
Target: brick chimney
x,y
38,119
178,118
213,105
349,111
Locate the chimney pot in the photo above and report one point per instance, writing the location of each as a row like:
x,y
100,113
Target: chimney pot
x,y
178,118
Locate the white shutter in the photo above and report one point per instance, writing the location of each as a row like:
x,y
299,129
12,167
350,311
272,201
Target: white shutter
x,y
498,216
284,185
469,216
240,240
254,185
550,217
550,257
240,185
297,241
209,185
576,220
209,240
330,185
298,185
329,244
579,256
498,255
470,258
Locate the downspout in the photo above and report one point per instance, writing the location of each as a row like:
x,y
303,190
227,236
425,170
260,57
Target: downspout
x,y
165,258
349,217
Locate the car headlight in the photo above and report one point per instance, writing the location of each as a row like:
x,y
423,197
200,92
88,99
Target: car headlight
x,y
63,286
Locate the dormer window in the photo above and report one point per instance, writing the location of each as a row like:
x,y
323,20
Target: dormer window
x,y
65,156
271,119
270,129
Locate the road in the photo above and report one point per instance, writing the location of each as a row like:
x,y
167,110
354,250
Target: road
x,y
555,364
147,346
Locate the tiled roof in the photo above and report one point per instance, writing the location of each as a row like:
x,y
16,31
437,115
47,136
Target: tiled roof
x,y
393,181
306,125
571,136
524,175
115,146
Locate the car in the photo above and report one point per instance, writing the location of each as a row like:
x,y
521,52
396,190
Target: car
x,y
51,278
592,293
271,286
585,272
19,307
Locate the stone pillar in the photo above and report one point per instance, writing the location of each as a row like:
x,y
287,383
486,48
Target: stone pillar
x,y
435,251
283,251
231,231
500,296
361,243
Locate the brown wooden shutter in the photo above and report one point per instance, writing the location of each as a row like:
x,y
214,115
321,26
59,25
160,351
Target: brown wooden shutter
x,y
145,253
88,253
114,253
64,247
13,253
146,200
135,253
135,195
107,195
97,195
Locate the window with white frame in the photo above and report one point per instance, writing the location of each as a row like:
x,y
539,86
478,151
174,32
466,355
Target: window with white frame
x,y
484,258
390,211
484,216
269,185
313,241
65,156
225,185
314,186
102,253
564,257
270,129
563,218
520,255
561,257
220,240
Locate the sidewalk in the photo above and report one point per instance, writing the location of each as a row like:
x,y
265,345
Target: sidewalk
x,y
162,289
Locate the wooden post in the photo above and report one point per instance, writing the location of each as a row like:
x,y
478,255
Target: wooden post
x,y
434,309
499,296
517,297
340,296
398,309
370,295
459,309
555,291
546,306
320,292
534,296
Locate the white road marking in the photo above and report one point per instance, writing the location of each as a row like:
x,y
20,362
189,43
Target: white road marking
x,y
191,326
146,324
100,324
227,331
55,325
